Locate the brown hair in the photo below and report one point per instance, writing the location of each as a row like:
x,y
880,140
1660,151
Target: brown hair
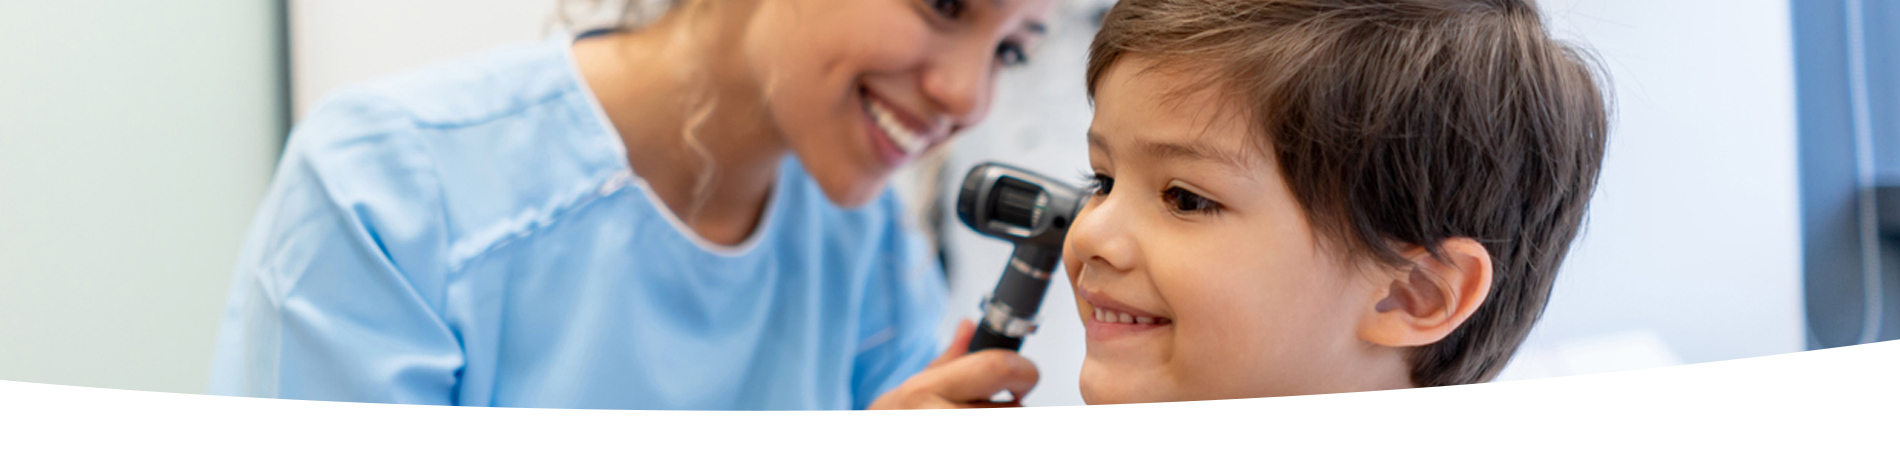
x,y
1404,122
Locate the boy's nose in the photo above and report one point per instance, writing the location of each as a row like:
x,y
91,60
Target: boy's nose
x,y
1100,237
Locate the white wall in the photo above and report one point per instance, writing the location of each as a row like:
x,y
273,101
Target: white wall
x,y
136,139
336,42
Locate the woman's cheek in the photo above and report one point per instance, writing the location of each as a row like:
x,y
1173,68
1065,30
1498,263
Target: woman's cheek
x,y
887,45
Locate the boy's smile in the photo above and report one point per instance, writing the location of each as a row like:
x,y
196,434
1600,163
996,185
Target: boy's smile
x,y
1108,319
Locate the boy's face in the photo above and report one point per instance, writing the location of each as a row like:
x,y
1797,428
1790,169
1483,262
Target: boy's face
x,y
1194,235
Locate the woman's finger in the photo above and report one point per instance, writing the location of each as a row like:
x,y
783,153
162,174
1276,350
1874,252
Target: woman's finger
x,y
973,378
958,345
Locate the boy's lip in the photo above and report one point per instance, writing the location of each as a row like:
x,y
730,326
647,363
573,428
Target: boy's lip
x,y
1101,300
1102,331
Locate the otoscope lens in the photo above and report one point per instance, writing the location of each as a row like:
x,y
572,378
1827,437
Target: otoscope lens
x,y
1016,204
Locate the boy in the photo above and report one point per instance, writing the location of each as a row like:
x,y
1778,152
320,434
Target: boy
x,y
1318,196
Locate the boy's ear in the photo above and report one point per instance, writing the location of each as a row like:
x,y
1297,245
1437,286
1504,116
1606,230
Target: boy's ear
x,y
1424,303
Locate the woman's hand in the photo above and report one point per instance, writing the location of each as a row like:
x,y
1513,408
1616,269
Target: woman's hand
x,y
960,380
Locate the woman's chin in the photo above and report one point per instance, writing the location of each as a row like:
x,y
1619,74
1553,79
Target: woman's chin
x,y
846,184
850,194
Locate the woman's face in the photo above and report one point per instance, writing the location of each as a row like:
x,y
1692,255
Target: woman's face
x,y
860,87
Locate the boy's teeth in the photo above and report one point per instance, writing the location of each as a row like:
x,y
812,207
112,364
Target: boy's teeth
x,y
1106,316
907,141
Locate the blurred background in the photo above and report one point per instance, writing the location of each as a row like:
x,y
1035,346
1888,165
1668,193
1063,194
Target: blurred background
x,y
1740,211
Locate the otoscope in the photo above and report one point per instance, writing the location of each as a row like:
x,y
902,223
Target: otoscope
x,y
1032,211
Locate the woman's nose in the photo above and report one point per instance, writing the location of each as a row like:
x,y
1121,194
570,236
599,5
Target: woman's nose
x,y
958,81
1100,236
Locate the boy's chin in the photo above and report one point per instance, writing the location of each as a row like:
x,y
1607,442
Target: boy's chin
x,y
1102,385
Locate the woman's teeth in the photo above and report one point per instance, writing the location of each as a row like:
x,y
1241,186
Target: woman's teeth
x,y
1103,315
907,141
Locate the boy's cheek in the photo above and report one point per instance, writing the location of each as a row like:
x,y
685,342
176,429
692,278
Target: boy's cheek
x,y
1071,264
1242,329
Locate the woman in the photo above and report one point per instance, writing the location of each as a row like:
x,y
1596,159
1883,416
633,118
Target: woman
x,y
691,215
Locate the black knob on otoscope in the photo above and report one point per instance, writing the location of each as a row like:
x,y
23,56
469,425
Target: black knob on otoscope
x,y
1033,212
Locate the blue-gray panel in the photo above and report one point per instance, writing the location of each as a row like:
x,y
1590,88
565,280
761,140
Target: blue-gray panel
x,y
1882,38
1829,237
1831,241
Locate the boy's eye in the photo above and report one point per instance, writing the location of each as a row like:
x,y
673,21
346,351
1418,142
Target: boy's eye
x,y
949,9
1182,200
1099,184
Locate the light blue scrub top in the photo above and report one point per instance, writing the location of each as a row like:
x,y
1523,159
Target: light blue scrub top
x,y
471,234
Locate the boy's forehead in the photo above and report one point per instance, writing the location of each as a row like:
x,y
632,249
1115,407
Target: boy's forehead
x,y
1162,115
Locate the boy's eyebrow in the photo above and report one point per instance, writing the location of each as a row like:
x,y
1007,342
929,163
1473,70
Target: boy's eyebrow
x,y
1096,140
1195,151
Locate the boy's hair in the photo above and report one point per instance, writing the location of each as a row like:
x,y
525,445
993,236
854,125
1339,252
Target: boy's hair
x,y
1403,122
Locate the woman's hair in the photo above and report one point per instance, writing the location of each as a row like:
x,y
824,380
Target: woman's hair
x,y
1403,122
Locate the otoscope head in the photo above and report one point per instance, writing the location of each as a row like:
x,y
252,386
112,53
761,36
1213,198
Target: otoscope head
x,y
1017,205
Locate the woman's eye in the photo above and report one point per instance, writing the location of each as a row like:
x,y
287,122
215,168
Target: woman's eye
x,y
949,9
1011,54
1185,201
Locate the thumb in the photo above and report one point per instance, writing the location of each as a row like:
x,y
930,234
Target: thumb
x,y
959,345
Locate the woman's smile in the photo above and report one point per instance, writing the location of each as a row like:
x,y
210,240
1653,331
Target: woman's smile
x,y
897,135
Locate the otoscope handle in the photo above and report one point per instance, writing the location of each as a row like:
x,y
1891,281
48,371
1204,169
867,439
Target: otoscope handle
x,y
1010,312
986,339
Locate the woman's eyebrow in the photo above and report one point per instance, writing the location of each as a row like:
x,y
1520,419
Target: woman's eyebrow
x,y
1035,27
